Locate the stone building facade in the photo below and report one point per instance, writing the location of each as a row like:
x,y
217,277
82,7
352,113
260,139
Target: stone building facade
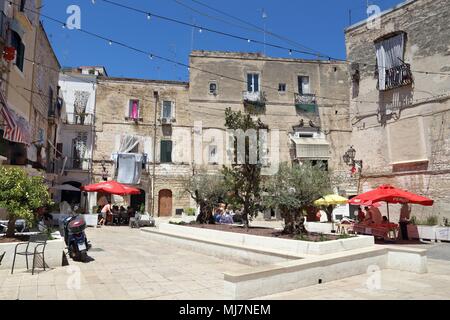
x,y
75,142
400,100
46,104
148,118
304,102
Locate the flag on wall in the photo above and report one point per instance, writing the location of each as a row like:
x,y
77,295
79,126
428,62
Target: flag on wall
x,y
16,128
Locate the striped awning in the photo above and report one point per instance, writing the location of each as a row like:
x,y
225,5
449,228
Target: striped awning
x,y
16,128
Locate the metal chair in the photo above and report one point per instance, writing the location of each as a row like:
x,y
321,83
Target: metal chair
x,y
39,241
1,257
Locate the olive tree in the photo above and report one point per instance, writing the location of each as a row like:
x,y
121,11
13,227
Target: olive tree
x,y
21,195
244,176
207,190
293,189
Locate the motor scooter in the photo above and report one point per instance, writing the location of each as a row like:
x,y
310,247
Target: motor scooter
x,y
75,238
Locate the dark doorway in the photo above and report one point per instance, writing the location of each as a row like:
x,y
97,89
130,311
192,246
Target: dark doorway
x,y
137,200
72,197
353,210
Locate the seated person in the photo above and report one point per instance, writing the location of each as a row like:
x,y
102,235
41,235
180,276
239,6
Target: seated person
x,y
376,215
368,218
217,215
226,218
130,212
237,216
322,215
385,220
123,214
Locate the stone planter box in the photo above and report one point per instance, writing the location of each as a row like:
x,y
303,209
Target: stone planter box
x,y
284,246
53,255
443,233
421,232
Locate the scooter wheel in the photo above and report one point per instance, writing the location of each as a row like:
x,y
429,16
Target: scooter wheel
x,y
73,252
83,256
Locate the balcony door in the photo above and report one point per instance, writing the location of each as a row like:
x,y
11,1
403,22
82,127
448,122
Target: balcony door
x,y
165,203
253,82
303,85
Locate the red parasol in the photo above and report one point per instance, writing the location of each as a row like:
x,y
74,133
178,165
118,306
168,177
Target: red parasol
x,y
389,194
112,187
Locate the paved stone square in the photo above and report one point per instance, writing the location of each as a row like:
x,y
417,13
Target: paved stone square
x,y
128,265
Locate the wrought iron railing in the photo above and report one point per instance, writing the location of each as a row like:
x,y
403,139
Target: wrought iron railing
x,y
84,119
305,99
396,77
258,97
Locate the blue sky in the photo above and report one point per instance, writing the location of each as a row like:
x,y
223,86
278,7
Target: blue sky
x,y
318,25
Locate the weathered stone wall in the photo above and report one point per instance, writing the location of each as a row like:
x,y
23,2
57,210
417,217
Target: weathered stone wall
x,y
328,80
45,88
112,103
392,147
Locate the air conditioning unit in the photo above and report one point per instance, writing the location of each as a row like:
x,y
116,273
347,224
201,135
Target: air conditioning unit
x,y
167,120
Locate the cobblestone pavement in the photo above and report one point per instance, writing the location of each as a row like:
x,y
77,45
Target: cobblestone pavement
x,y
126,265
387,284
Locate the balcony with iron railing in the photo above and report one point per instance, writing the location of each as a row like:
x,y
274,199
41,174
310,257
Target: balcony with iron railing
x,y
305,102
257,98
396,77
81,119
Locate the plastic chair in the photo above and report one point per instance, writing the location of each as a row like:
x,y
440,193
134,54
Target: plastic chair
x,y
39,241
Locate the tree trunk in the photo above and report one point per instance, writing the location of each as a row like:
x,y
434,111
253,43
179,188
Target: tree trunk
x,y
245,215
11,227
293,223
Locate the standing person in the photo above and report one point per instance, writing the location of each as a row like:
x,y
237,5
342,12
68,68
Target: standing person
x,y
105,211
405,215
361,215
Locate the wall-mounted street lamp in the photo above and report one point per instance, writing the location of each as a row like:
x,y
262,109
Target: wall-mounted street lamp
x,y
349,159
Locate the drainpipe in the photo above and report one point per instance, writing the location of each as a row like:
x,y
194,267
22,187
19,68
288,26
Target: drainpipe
x,y
156,95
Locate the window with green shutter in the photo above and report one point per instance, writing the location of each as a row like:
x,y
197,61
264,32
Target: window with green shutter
x,y
16,42
166,151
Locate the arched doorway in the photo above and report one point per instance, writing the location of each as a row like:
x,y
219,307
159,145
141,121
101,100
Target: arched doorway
x,y
137,200
72,197
165,203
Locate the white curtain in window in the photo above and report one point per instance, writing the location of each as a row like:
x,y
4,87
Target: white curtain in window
x,y
305,85
128,143
389,54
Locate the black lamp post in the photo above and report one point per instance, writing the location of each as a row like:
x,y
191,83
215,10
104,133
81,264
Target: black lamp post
x,y
349,158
